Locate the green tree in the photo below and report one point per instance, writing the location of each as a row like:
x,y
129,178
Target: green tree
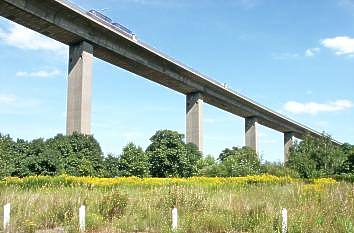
x,y
240,151
348,151
76,154
214,170
19,159
239,162
193,156
111,164
205,162
278,169
133,162
40,159
227,152
316,157
169,156
6,154
79,155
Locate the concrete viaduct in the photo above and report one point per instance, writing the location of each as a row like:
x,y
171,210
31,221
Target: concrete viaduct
x,y
89,37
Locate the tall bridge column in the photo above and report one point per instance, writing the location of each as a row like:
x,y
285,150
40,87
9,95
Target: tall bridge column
x,y
251,133
79,89
194,121
288,142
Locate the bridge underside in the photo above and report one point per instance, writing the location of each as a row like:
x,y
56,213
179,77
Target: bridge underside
x,y
69,25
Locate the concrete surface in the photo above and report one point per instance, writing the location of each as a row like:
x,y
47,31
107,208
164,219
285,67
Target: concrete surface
x,y
288,142
79,89
194,121
251,133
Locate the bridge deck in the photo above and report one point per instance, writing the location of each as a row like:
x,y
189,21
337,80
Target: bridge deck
x,y
69,24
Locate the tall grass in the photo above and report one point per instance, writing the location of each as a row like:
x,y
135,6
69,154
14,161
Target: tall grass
x,y
313,206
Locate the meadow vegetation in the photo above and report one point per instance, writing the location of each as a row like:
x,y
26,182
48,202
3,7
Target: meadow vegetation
x,y
241,204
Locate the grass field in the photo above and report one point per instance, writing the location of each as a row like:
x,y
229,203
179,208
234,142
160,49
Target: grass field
x,y
246,204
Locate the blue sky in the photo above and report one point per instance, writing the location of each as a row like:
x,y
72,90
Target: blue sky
x,y
295,57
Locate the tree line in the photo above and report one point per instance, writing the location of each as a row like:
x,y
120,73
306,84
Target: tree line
x,y
166,156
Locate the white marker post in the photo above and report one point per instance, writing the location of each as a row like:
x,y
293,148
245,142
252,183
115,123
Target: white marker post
x,y
174,219
7,209
284,225
82,217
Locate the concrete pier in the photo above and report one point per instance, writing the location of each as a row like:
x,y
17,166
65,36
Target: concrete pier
x,y
194,121
251,133
288,142
79,89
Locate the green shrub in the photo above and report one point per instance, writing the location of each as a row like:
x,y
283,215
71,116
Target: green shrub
x,y
215,170
205,162
278,169
316,157
239,166
111,164
232,163
239,162
113,205
344,177
133,162
169,156
6,155
348,151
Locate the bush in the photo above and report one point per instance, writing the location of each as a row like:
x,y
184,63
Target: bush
x,y
133,162
214,170
316,157
111,164
79,155
278,169
41,159
169,156
113,205
348,151
193,157
232,163
76,154
240,162
205,162
6,155
344,177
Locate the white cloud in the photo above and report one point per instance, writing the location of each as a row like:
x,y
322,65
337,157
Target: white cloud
x,y
314,108
23,38
7,99
288,55
341,45
312,52
39,74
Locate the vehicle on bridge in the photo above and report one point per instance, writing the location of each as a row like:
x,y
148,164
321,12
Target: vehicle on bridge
x,y
100,16
116,26
124,29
